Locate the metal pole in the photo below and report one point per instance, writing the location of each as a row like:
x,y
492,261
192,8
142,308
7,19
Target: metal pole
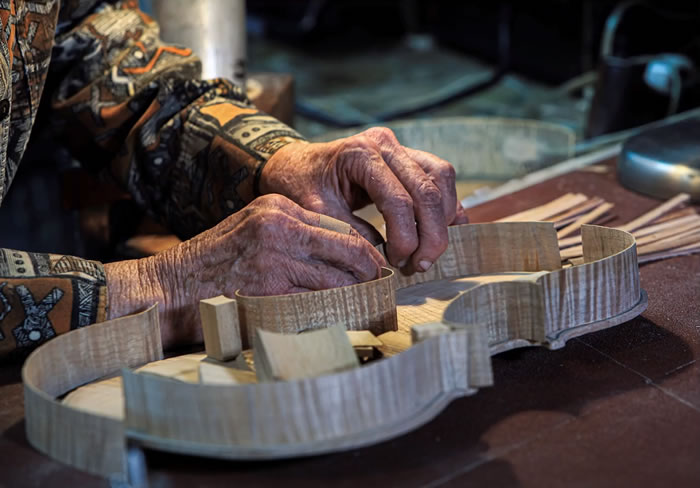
x,y
213,29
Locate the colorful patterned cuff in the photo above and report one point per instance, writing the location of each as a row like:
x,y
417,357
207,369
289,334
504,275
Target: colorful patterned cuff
x,y
43,295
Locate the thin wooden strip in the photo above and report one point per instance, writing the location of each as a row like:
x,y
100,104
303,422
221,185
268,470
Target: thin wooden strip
x,y
490,248
525,214
640,232
365,306
543,212
311,415
676,214
686,237
571,252
655,213
605,285
569,241
562,219
604,219
668,224
510,311
608,217
84,440
692,237
674,231
681,251
585,219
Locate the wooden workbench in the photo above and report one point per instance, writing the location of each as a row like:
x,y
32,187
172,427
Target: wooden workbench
x,y
620,407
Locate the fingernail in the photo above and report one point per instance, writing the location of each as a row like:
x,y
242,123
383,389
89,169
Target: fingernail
x,y
402,263
425,265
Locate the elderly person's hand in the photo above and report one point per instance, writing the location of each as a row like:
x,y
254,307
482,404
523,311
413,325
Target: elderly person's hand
x,y
414,191
271,247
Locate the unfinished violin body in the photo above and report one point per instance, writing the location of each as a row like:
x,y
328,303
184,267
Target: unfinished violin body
x,y
497,287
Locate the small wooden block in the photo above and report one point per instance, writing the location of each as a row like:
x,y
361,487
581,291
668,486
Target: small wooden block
x,y
422,332
282,357
222,334
215,372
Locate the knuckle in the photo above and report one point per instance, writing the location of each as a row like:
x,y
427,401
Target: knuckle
x,y
383,135
429,194
269,224
400,202
359,145
273,200
356,247
447,172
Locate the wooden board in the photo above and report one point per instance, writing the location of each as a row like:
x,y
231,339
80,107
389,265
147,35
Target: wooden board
x,y
528,299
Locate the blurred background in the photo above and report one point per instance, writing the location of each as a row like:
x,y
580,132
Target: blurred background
x,y
499,88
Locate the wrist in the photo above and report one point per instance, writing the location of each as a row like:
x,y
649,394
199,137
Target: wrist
x,y
131,287
272,174
135,285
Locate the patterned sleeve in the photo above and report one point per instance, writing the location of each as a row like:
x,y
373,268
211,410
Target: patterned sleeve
x,y
43,295
188,150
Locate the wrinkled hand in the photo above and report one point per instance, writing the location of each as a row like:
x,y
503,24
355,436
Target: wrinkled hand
x,y
271,247
414,190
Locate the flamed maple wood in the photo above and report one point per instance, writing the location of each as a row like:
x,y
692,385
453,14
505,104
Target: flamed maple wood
x,y
525,298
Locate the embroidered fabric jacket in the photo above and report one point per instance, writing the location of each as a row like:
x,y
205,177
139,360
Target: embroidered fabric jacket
x,y
187,149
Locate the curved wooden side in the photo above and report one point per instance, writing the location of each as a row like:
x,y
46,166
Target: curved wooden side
x,y
511,311
475,249
560,305
604,287
347,409
90,442
370,305
309,416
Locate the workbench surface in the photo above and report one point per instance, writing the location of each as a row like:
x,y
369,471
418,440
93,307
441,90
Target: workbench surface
x,y
620,407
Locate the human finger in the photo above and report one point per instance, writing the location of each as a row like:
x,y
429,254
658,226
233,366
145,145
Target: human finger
x,y
443,175
363,165
425,194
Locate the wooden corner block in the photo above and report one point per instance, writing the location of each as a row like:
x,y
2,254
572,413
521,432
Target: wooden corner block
x,y
222,334
282,357
422,332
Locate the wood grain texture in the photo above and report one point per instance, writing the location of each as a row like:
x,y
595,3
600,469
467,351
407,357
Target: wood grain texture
x,y
548,210
366,306
225,373
220,327
477,249
538,302
93,443
657,212
284,357
606,285
587,218
313,415
565,218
